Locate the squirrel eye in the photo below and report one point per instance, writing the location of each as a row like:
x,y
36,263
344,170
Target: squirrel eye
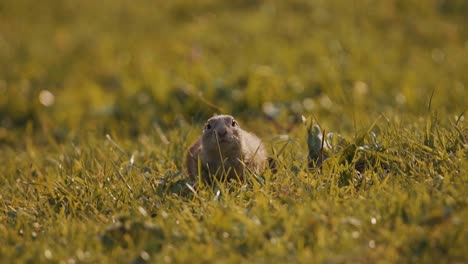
x,y
208,127
234,123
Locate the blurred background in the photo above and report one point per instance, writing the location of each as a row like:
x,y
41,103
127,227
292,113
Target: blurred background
x,y
123,66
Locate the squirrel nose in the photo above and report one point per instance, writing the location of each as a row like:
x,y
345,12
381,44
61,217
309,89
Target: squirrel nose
x,y
222,131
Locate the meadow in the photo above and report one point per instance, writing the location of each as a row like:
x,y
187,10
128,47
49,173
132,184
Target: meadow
x,y
99,101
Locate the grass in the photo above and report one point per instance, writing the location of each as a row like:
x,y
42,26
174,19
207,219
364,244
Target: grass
x,y
99,102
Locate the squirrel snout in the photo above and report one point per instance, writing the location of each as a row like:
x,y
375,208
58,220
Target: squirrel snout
x,y
222,131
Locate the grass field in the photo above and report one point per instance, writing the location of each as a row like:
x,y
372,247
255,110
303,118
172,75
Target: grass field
x,y
99,100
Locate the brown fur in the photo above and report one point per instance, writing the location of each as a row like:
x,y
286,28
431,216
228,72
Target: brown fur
x,y
225,151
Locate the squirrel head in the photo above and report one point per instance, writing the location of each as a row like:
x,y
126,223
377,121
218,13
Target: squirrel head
x,y
222,130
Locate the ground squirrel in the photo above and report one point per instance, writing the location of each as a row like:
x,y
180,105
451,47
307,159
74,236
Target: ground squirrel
x,y
225,151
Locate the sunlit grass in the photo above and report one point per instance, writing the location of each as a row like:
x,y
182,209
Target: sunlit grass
x,y
99,102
